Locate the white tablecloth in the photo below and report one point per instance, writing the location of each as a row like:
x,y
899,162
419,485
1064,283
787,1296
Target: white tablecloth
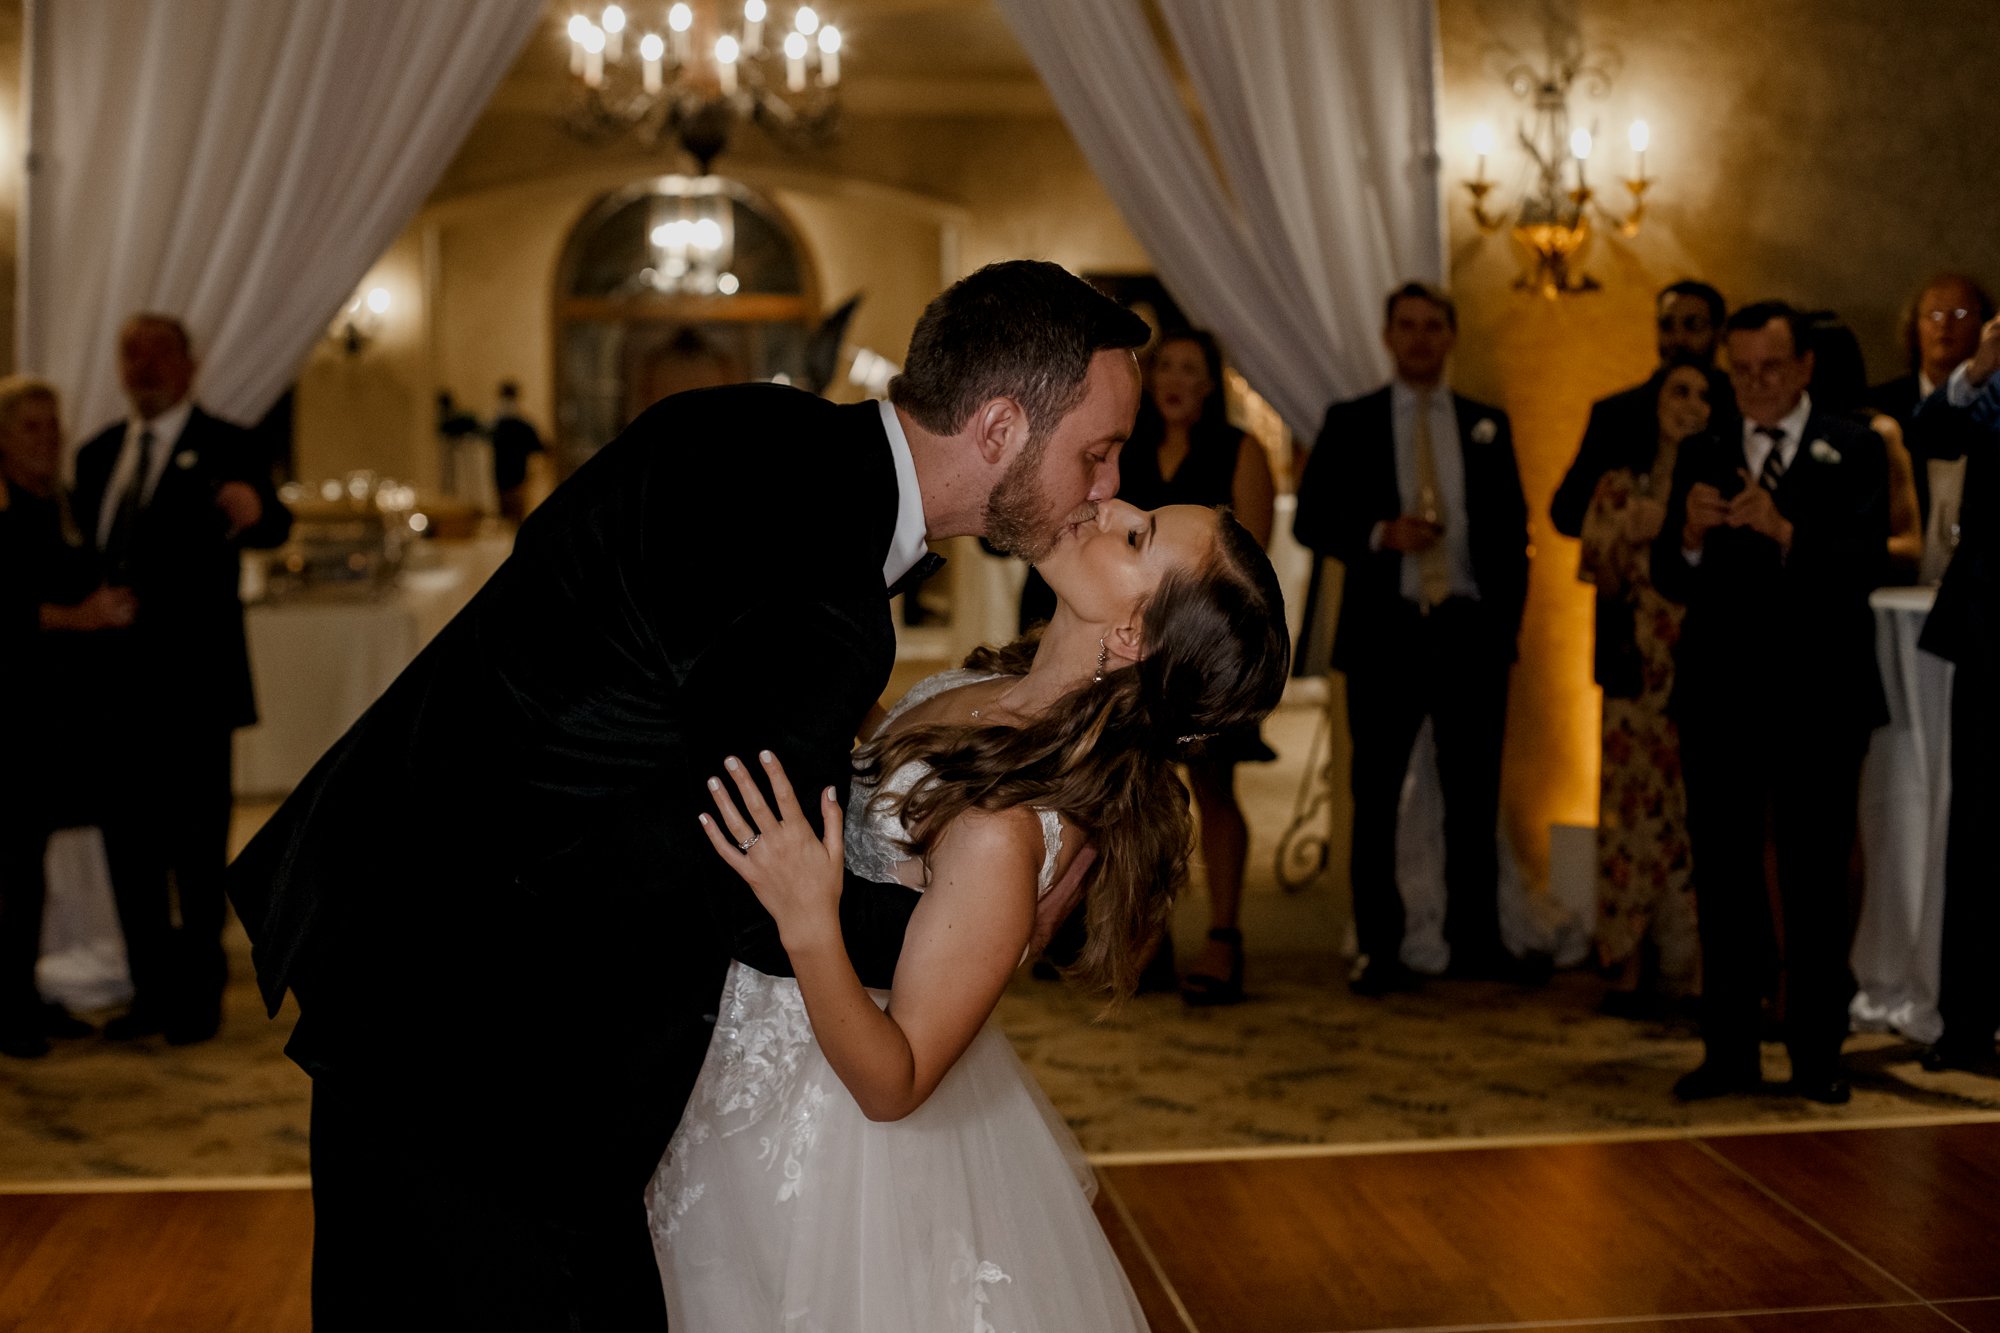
x,y
1905,802
319,663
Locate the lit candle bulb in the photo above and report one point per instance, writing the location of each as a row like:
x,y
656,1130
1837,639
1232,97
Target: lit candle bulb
x,y
807,20
1482,146
795,61
593,57
829,56
680,18
725,63
651,50
614,33
753,26
578,26
1641,135
1579,148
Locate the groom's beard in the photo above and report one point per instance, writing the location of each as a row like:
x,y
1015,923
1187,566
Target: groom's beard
x,y
1017,511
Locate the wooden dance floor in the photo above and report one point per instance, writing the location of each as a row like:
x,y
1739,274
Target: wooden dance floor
x,y
1889,1230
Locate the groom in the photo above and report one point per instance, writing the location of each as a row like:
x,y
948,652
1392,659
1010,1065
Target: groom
x,y
504,928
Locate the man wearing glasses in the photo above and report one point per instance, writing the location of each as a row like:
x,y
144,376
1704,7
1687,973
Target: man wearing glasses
x,y
1940,334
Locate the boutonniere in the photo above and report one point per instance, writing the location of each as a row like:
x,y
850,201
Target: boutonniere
x,y
1822,452
185,459
1483,431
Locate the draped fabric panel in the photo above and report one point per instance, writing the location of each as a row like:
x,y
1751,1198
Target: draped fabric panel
x,y
237,163
1323,118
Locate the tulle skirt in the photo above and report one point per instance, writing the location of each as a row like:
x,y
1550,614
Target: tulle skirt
x,y
780,1206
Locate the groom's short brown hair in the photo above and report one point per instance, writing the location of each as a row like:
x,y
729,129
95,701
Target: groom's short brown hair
x,y
1021,329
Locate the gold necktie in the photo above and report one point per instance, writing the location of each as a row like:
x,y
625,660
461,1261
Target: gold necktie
x,y
1433,563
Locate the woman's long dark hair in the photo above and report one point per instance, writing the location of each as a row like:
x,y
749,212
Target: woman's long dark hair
x,y
1103,756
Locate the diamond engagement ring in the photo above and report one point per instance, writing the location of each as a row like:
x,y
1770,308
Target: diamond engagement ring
x,y
746,846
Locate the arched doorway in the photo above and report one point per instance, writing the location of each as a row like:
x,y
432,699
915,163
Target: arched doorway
x,y
674,283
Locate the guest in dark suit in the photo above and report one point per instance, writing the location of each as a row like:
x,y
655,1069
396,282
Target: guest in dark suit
x,y
1620,432
168,498
1414,490
1776,533
1940,334
50,603
515,441
504,927
1964,628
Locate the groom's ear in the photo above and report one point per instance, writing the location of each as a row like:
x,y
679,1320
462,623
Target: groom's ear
x,y
1000,429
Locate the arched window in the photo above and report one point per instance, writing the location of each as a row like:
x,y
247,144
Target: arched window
x,y
674,283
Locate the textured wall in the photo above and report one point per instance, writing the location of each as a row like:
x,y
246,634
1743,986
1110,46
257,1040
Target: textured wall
x,y
1830,152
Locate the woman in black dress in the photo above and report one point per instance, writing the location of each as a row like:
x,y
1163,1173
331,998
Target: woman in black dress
x,y
1184,451
50,601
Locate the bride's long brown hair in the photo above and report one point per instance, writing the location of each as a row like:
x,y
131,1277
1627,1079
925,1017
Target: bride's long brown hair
x,y
1103,756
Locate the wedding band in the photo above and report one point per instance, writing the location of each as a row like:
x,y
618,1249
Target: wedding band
x,y
746,846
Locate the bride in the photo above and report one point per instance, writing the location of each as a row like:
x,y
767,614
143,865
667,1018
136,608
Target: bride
x,y
853,1160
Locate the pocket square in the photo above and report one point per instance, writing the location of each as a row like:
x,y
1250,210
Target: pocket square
x,y
1822,452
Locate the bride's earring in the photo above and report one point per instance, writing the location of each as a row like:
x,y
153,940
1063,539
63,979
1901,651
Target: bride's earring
x,y
1102,654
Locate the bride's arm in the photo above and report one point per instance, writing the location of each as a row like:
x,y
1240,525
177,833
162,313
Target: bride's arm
x,y
962,945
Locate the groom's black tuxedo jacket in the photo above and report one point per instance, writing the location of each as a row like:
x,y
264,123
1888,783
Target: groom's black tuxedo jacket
x,y
494,885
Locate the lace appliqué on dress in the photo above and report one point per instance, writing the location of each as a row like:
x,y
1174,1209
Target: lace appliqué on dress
x,y
761,1034
977,1276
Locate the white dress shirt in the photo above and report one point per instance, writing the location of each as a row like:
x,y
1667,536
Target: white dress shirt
x,y
1757,445
1448,463
166,428
908,545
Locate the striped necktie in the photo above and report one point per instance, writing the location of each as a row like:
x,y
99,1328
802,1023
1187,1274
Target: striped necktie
x,y
1773,470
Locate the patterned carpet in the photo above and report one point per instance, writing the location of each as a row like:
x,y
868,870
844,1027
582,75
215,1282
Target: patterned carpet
x,y
1301,1063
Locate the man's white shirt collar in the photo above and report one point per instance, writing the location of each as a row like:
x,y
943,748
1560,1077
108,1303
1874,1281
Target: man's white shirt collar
x,y
1756,444
126,472
908,545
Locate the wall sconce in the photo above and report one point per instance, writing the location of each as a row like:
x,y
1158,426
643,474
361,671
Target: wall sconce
x,y
1552,220
360,320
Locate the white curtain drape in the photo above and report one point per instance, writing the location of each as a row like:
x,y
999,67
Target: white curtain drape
x,y
238,163
1323,117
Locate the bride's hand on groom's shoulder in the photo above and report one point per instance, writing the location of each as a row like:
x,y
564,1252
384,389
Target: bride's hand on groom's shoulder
x,y
794,872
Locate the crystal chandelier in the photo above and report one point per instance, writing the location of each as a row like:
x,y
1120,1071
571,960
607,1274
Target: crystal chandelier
x,y
693,71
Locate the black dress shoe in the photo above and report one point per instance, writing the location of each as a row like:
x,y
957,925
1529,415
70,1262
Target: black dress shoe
x,y
190,1031
1382,977
23,1044
1530,969
132,1025
1826,1089
1971,1059
1708,1080
61,1024
1199,990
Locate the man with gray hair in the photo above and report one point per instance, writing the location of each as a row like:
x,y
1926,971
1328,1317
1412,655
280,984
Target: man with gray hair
x,y
169,496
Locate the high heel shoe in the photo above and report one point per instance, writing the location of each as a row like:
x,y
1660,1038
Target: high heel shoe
x,y
1201,990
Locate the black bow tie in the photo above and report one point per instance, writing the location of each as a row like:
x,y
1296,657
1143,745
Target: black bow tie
x,y
929,563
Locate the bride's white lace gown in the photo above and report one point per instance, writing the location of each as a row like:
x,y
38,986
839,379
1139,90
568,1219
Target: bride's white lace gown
x,y
780,1208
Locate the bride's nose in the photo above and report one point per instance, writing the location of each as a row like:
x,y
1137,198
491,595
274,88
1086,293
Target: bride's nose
x,y
1114,514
